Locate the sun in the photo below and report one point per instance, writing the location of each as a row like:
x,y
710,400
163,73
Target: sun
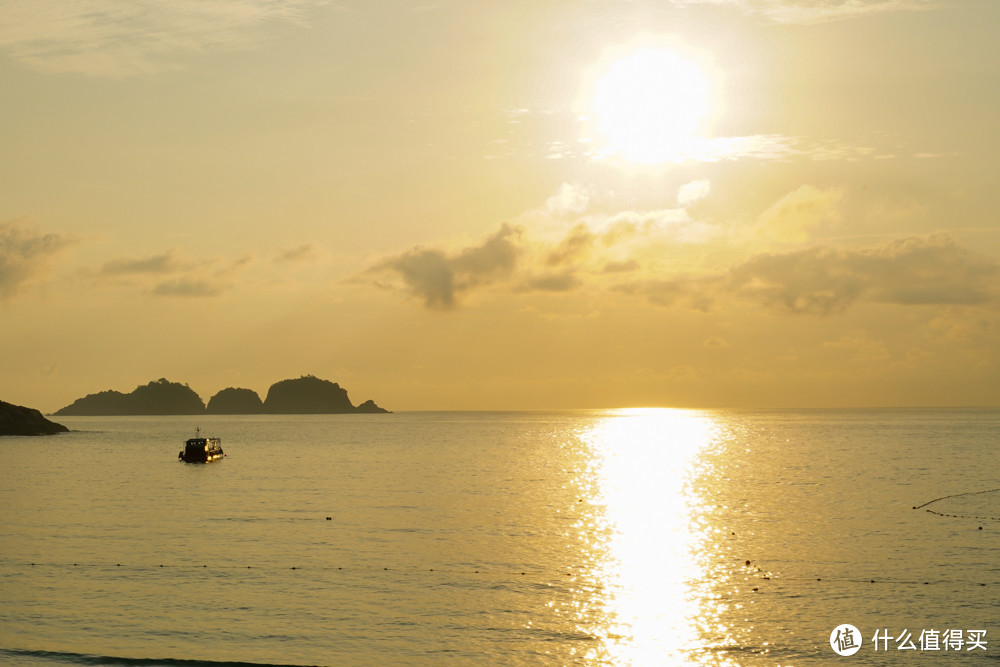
x,y
648,105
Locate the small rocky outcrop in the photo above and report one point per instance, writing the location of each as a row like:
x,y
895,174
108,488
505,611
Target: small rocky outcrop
x,y
161,397
19,420
235,401
369,407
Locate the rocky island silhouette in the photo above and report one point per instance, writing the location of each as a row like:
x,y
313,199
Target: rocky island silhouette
x,y
305,395
19,420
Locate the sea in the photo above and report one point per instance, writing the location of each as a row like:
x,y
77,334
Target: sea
x,y
592,537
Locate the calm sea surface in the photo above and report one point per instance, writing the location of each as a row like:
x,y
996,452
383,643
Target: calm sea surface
x,y
643,537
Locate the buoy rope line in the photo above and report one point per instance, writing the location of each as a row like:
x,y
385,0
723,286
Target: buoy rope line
x,y
960,515
752,574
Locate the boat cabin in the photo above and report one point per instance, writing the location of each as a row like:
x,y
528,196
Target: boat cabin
x,y
201,450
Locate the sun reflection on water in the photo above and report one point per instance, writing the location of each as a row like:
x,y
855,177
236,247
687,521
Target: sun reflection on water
x,y
646,551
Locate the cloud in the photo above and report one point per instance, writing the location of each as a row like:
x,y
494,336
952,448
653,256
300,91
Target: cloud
x,y
696,292
822,11
817,11
438,277
573,246
716,341
859,346
623,266
792,217
553,282
114,39
189,287
302,253
824,280
692,192
962,325
168,274
568,200
24,254
154,264
644,253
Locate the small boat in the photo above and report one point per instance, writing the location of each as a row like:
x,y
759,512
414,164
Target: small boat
x,y
201,450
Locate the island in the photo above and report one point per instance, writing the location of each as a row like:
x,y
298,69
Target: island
x,y
161,397
235,401
19,420
305,395
312,395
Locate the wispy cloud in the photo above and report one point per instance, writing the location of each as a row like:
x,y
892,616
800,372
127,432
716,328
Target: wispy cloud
x,y
821,11
794,216
111,38
189,287
24,255
171,274
166,262
817,11
299,254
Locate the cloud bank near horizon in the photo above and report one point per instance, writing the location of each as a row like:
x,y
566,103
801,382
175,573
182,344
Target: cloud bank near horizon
x,y
105,38
777,264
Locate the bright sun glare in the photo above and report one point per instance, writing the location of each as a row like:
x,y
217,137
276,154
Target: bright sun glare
x,y
648,105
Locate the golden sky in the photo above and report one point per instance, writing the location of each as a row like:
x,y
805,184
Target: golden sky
x,y
502,205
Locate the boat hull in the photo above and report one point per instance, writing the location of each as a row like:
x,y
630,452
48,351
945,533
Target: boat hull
x,y
208,458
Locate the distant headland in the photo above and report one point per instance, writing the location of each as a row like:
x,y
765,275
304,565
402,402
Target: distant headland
x,y
19,420
304,395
